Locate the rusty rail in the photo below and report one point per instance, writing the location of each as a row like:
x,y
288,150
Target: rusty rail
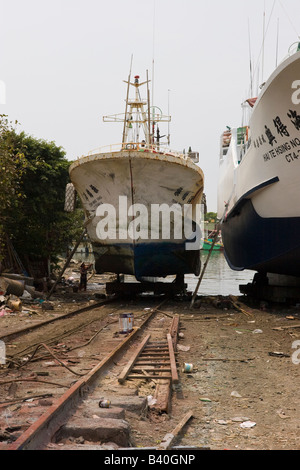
x,y
41,432
16,333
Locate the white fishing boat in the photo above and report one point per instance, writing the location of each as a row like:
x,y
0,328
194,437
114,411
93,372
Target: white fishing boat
x,y
259,179
135,196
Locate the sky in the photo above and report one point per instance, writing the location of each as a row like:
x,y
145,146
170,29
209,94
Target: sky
x,y
63,62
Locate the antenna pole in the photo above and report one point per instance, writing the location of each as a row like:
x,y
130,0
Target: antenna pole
x,y
251,75
149,121
126,106
263,47
153,51
169,115
277,42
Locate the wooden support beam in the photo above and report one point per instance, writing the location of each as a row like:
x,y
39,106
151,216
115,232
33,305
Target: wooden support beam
x,y
174,329
137,370
164,349
163,390
148,376
144,354
142,363
169,438
175,378
130,364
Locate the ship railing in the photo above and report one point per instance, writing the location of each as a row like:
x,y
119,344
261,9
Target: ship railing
x,y
243,141
137,146
295,47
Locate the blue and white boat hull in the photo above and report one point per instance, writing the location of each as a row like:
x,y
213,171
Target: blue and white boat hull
x,y
259,180
140,179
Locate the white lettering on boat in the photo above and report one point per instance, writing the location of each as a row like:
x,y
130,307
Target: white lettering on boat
x,y
296,94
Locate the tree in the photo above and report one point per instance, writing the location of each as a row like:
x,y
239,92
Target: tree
x,y
12,167
211,216
38,226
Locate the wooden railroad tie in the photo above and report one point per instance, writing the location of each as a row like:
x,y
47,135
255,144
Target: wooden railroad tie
x,y
152,360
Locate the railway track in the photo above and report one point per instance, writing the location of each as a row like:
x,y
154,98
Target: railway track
x,y
50,394
63,411
17,333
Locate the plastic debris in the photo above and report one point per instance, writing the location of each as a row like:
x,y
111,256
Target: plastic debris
x,y
183,348
15,304
235,394
247,424
187,367
239,419
26,295
222,422
278,354
151,401
104,403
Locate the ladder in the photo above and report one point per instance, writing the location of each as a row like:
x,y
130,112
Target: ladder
x,y
152,360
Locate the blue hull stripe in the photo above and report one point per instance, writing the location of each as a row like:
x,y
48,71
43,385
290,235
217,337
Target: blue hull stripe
x,y
148,259
262,244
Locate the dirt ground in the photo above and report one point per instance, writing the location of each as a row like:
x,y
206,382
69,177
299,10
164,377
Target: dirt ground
x,y
244,386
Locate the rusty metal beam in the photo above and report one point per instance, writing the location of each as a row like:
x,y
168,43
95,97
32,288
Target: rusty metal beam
x,y
130,364
40,432
175,378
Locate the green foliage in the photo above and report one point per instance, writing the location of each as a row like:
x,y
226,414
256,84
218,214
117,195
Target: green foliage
x,y
37,224
12,167
211,216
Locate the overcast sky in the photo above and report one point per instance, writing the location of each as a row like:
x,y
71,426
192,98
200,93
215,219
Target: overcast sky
x,y
63,63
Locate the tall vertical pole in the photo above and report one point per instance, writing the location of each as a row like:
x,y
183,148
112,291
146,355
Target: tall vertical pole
x,y
125,120
149,120
66,263
251,75
126,106
169,117
153,53
277,42
263,47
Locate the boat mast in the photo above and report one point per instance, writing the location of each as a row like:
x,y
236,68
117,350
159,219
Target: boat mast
x,y
149,119
129,76
136,115
126,107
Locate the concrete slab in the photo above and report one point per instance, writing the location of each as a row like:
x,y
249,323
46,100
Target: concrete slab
x,y
94,430
107,446
134,404
93,409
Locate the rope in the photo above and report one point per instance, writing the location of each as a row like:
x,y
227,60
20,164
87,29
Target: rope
x,y
293,26
211,248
